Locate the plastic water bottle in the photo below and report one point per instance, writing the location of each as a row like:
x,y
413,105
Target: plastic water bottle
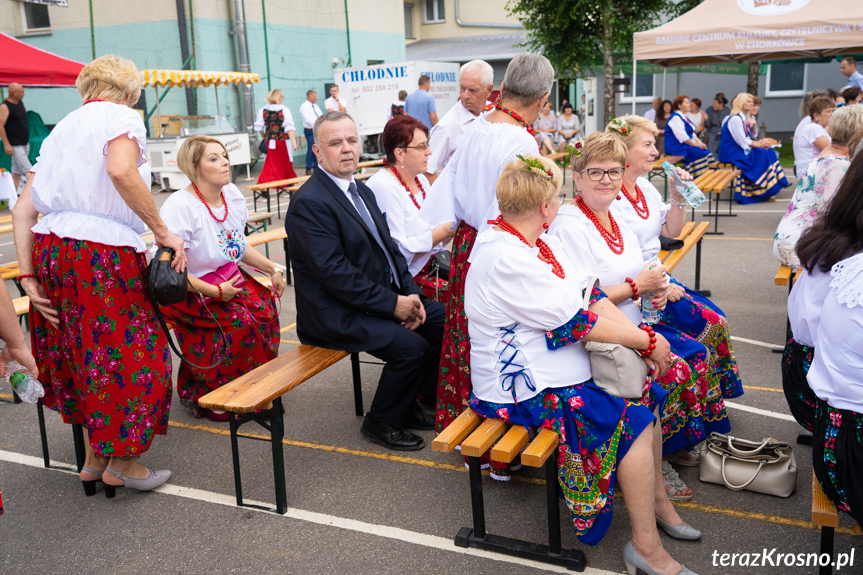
x,y
649,313
25,385
688,190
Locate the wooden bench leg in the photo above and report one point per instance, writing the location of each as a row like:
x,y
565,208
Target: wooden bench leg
x,y
78,438
826,547
358,384
704,292
42,434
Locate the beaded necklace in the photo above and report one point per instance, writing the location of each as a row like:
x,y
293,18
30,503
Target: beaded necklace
x,y
614,238
545,254
403,183
497,105
222,193
94,100
639,202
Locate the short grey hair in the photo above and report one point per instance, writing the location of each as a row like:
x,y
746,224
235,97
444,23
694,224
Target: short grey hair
x,y
331,116
528,78
845,123
481,66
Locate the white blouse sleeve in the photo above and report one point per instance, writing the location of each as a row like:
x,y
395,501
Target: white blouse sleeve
x,y
678,126
183,221
535,299
738,132
127,122
410,232
259,121
288,123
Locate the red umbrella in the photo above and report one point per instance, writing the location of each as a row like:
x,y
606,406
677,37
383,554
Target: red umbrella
x,y
33,67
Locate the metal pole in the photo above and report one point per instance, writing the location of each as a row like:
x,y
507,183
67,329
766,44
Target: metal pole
x,y
348,33
92,33
158,110
243,61
218,111
266,43
194,63
184,52
664,70
634,82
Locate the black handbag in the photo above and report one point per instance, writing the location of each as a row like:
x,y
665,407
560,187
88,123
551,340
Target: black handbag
x,y
167,287
440,265
262,147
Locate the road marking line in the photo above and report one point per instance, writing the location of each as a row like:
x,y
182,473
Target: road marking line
x,y
756,342
757,388
287,327
385,531
765,412
765,517
291,341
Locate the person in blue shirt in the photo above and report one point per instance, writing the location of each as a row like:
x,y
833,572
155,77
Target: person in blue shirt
x,y
848,67
421,105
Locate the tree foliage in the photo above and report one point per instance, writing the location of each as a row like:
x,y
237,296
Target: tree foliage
x,y
579,35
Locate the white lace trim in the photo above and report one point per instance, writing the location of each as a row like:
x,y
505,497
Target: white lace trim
x,y
848,281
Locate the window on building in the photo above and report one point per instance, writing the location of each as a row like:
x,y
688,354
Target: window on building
x,y
643,88
409,21
35,17
434,11
786,79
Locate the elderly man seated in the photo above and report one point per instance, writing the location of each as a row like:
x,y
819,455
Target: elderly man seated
x,y
353,288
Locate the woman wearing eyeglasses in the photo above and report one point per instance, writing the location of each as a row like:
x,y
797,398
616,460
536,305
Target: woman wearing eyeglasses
x,y
601,244
400,189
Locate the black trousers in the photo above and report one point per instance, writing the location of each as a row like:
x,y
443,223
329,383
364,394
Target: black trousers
x,y
412,359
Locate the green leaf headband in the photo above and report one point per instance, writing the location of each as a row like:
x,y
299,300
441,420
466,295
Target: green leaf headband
x,y
619,126
576,148
538,168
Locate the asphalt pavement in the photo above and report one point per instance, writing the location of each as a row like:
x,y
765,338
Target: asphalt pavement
x,y
357,508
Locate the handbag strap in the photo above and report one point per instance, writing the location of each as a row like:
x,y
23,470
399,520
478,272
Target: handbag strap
x,y
745,453
728,484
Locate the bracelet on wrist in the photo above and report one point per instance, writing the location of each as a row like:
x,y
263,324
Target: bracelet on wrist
x,y
220,292
632,285
25,276
680,205
652,341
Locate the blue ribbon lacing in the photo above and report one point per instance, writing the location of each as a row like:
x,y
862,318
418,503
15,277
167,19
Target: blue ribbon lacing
x,y
509,378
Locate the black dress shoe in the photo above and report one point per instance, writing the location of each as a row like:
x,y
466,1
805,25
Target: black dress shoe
x,y
390,437
419,419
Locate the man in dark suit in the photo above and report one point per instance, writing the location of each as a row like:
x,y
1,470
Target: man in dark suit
x,y
353,288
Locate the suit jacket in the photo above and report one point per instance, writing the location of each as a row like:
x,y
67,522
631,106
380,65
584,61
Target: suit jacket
x,y
344,296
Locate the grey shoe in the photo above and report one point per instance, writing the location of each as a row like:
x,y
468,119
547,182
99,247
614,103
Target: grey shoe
x,y
634,563
155,479
683,531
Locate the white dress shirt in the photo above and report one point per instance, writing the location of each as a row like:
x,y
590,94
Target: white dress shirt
x,y
647,230
445,136
838,362
507,286
331,105
309,113
737,129
650,115
71,186
805,304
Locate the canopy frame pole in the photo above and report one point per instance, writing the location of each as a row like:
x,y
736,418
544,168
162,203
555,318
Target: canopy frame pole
x,y
159,111
634,82
218,111
664,73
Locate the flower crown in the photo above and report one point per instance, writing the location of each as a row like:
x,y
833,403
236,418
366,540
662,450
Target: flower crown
x,y
537,167
619,126
575,148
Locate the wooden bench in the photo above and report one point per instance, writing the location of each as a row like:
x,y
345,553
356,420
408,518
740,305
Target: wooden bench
x,y
281,187
692,235
476,436
257,396
825,515
264,238
714,182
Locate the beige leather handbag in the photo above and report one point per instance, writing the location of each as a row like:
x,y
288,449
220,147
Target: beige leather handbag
x,y
765,467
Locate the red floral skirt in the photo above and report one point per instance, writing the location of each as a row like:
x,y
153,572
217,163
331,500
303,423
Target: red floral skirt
x,y
433,288
108,366
278,165
250,323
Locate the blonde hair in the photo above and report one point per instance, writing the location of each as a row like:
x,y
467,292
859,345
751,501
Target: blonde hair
x,y
274,96
637,124
854,143
109,78
521,191
739,101
844,123
598,147
190,153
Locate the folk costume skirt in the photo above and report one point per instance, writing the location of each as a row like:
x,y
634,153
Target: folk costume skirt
x,y
696,161
761,177
596,431
278,165
837,457
250,323
108,366
802,401
433,288
700,319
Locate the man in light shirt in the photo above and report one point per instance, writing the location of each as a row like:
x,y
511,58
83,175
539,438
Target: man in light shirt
x,y
309,112
334,103
476,82
848,67
651,113
421,104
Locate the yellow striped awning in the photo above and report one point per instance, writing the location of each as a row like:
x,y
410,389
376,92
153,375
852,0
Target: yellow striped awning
x,y
194,78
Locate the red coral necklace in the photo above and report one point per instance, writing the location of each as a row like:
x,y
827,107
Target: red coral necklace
x,y
497,105
545,254
614,238
403,183
209,209
639,202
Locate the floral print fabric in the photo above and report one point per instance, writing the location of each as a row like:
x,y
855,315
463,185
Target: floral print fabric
x,y
814,189
251,326
108,366
802,401
837,448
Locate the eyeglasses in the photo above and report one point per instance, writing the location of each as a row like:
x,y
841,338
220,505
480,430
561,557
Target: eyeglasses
x,y
421,147
561,197
595,174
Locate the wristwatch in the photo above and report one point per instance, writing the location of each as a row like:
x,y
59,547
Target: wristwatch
x,y
680,205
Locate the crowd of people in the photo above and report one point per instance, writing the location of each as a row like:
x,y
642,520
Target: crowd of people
x,y
533,281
